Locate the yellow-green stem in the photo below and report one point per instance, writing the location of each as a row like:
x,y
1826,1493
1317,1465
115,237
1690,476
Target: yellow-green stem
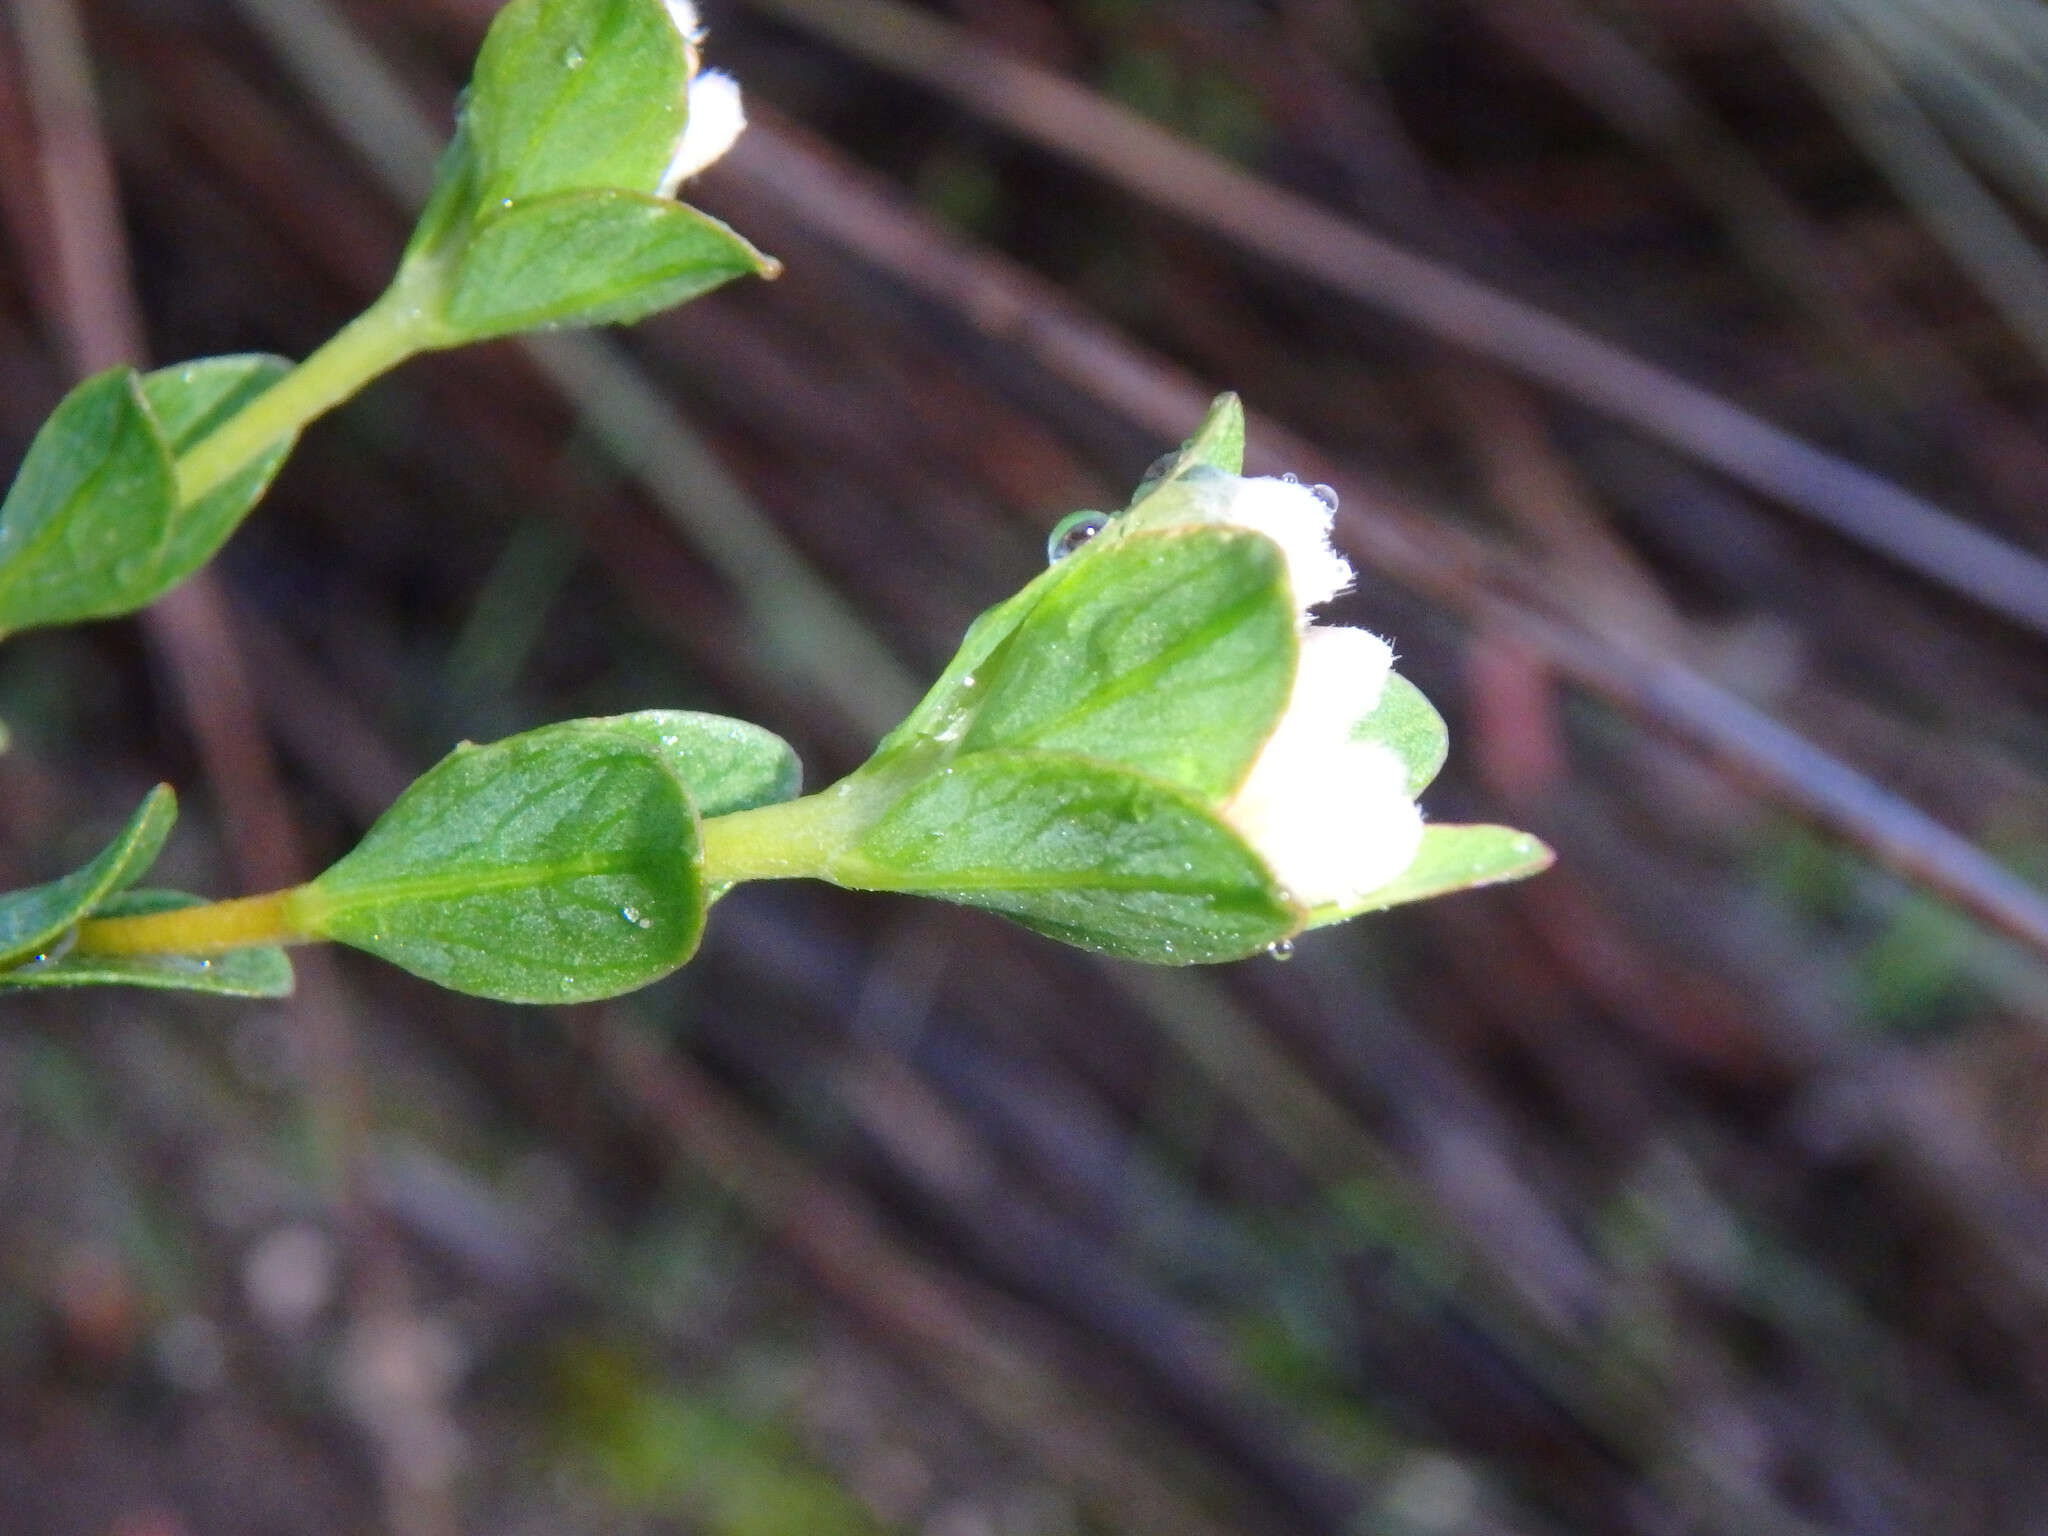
x,y
795,839
212,929
377,340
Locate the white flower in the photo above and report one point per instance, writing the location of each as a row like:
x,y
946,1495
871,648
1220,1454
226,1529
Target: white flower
x,y
1292,516
714,116
684,15
1331,817
714,122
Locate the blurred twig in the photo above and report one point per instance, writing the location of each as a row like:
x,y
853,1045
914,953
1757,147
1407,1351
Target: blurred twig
x,y
1452,568
1298,236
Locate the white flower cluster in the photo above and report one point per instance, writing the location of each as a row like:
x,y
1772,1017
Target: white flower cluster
x,y
1332,817
715,116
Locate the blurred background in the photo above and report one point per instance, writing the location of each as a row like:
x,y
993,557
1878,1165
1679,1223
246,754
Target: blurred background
x,y
1683,365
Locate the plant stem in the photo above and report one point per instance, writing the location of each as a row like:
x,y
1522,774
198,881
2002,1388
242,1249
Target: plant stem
x,y
377,340
796,839
212,929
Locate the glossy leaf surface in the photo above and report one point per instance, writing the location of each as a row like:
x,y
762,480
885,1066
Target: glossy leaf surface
x,y
1451,858
1408,725
188,402
1169,651
727,765
240,973
86,517
588,258
573,94
556,866
1098,857
35,919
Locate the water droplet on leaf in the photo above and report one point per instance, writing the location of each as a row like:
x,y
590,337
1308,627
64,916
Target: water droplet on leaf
x,y
1159,466
572,57
634,916
1071,532
1327,495
1280,949
1290,478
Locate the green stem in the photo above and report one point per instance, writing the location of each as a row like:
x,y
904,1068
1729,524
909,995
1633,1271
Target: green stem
x,y
381,337
212,929
796,839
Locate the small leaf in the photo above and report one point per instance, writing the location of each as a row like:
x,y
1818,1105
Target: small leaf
x,y
1170,651
1219,441
86,517
1095,856
588,258
945,706
240,973
1452,858
1218,444
189,402
556,866
35,919
451,203
726,764
575,93
1407,724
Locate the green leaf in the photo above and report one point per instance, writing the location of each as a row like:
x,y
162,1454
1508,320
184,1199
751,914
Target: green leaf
x,y
189,402
1169,651
1452,858
1095,856
1219,441
1407,724
588,258
1218,444
451,203
557,866
726,764
86,517
240,973
33,920
574,94
942,712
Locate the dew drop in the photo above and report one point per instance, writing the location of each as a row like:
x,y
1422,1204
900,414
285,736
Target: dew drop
x,y
1071,532
1327,495
1159,466
572,57
1280,949
1290,478
634,916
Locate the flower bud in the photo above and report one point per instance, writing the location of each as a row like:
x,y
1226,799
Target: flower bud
x,y
1292,515
714,123
1330,815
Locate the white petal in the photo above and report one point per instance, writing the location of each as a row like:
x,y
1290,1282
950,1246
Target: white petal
x,y
715,120
1331,817
1331,824
1337,680
1293,517
684,15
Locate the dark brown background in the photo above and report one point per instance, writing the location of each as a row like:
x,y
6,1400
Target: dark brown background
x,y
1694,1187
